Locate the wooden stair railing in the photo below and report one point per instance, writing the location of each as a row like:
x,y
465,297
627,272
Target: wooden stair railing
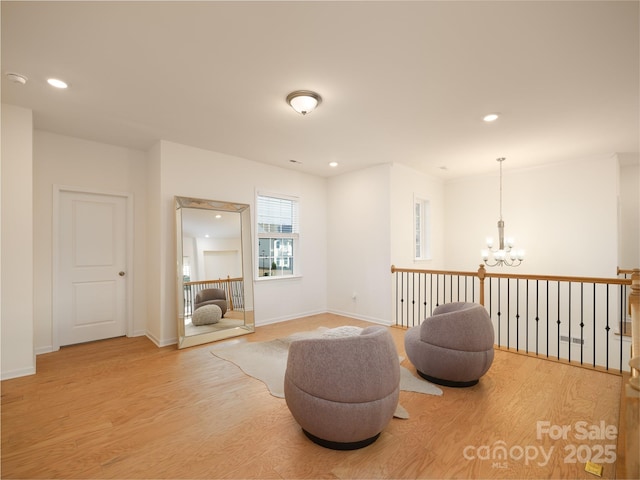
x,y
576,318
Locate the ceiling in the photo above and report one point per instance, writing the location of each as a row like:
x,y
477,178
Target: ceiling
x,y
201,223
404,82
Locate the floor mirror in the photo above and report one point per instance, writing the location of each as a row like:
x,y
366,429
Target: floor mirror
x,y
214,270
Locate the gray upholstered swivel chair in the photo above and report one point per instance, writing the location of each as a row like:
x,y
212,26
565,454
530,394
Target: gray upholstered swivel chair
x,y
453,347
211,296
343,391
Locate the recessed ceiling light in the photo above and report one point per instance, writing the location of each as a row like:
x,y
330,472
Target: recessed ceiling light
x,y
218,216
55,82
333,164
492,117
16,78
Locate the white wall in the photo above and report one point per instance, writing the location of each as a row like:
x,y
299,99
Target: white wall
x,y
193,172
359,243
16,313
629,211
406,185
564,215
156,247
353,226
74,162
219,258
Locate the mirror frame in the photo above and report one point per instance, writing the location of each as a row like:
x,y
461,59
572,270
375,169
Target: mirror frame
x,y
243,210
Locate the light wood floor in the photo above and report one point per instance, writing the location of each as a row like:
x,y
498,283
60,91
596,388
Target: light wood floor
x,y
123,408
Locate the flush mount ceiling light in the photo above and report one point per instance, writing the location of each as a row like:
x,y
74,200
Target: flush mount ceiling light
x,y
333,164
491,117
303,101
57,83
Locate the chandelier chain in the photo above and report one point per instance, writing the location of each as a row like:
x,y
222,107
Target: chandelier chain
x,y
501,160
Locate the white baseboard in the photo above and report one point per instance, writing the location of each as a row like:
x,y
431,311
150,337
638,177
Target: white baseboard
x,y
21,372
270,321
41,350
379,321
158,343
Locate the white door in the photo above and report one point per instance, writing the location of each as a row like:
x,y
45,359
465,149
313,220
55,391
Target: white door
x,y
91,268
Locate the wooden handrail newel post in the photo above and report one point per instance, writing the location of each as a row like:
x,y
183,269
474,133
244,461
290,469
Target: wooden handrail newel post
x,y
482,273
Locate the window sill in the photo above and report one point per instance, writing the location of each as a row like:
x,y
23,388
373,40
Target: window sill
x,y
277,277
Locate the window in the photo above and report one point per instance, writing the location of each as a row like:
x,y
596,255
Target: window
x,y
421,229
278,234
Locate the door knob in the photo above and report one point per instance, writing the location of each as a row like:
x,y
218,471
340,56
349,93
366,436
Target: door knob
x,y
121,274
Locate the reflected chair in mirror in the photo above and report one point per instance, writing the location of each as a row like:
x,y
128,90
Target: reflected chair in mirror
x,y
211,296
343,391
453,347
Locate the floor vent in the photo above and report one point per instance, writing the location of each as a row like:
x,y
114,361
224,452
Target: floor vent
x,y
574,340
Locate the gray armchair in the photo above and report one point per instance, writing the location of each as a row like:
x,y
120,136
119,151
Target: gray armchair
x,y
453,347
343,391
211,296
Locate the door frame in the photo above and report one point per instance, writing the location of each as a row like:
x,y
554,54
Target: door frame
x,y
58,190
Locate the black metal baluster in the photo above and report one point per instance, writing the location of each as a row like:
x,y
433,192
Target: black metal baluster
x,y
594,325
466,288
581,322
424,315
558,321
402,299
518,315
430,293
508,313
623,318
607,328
450,288
499,312
473,289
547,318
407,296
413,298
419,293
537,315
569,321
526,336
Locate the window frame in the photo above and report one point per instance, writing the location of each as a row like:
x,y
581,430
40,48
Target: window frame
x,y
294,236
421,233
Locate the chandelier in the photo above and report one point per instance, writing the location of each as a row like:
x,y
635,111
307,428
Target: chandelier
x,y
505,253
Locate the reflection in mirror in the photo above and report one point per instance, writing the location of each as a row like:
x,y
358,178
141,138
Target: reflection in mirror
x,y
214,272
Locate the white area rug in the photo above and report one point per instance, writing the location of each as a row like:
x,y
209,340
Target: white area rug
x,y
267,362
